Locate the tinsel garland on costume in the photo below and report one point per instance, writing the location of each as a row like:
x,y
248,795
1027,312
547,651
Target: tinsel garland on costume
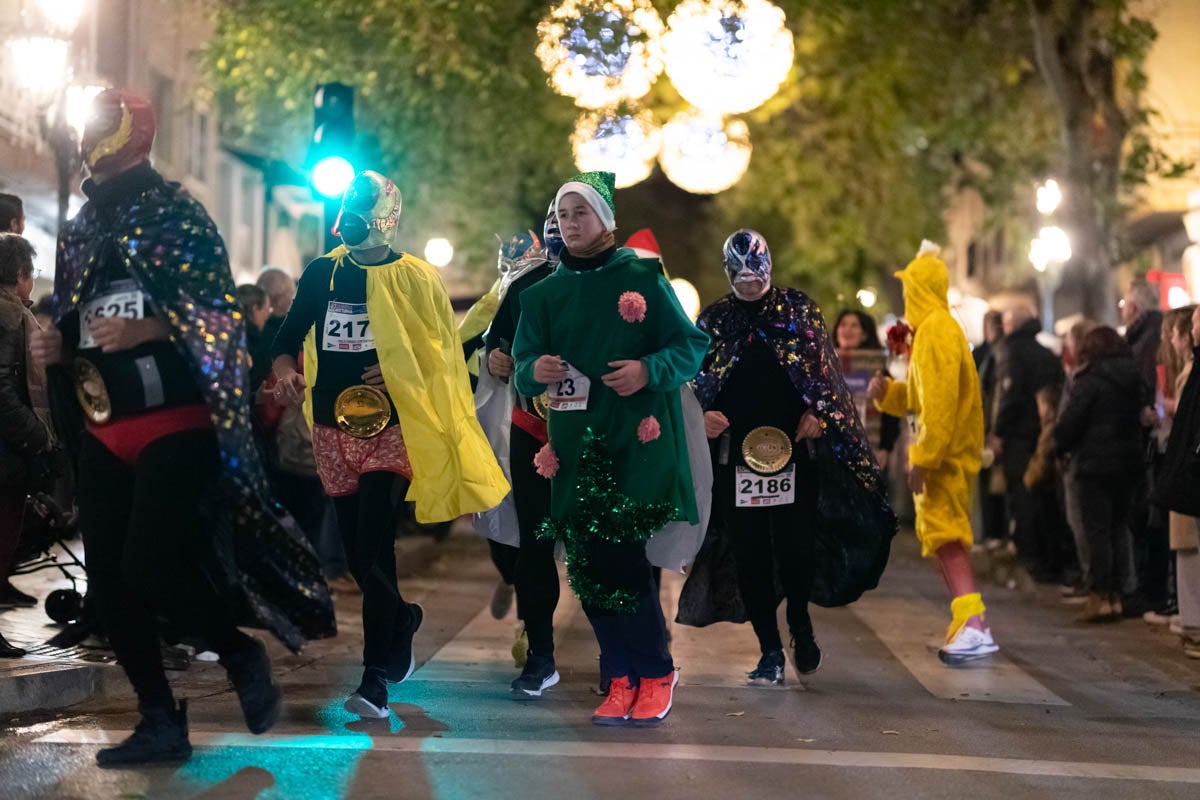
x,y
603,515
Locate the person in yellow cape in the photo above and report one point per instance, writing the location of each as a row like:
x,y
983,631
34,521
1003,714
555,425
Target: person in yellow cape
x,y
386,393
942,395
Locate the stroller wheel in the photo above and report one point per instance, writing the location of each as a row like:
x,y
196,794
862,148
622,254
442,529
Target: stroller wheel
x,y
64,605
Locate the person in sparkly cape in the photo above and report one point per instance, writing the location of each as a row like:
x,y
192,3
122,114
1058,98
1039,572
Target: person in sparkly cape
x,y
607,341
173,503
941,395
813,525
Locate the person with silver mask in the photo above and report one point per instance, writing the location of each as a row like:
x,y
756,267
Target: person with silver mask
x,y
386,393
798,500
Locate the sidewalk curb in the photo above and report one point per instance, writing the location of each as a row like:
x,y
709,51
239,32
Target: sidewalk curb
x,y
35,685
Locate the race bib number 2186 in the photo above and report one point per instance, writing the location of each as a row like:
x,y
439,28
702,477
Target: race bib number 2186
x,y
764,491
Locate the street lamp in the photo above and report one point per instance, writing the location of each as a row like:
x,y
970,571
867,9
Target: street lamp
x,y
42,64
1049,196
868,297
62,15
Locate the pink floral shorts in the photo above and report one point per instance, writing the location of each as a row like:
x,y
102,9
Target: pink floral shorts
x,y
341,458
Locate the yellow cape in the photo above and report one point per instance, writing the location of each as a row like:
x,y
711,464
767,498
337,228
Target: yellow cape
x,y
454,469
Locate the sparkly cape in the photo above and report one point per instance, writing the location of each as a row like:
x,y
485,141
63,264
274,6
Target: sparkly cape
x,y
855,524
172,249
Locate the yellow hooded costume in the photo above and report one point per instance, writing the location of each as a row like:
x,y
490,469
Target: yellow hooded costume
x,y
942,393
420,354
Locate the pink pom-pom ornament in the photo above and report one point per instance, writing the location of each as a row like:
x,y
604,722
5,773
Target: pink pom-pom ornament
x,y
632,306
648,430
546,462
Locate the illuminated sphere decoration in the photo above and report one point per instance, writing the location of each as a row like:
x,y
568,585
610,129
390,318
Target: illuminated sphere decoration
x,y
601,52
702,154
623,144
727,56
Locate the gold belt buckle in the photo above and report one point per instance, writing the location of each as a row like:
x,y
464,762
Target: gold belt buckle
x,y
766,450
540,405
91,392
362,411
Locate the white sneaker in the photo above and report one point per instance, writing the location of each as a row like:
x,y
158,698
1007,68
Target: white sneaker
x,y
968,644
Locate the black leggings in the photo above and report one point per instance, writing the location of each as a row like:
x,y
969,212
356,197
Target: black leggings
x,y
536,575
774,546
147,533
367,522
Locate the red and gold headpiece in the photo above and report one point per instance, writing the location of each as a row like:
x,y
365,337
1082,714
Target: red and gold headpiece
x,y
119,133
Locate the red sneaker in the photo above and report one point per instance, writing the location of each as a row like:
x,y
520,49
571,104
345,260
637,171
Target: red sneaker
x,y
654,699
616,707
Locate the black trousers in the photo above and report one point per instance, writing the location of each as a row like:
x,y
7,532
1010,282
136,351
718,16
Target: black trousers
x,y
633,644
1104,507
1015,458
150,553
367,523
774,548
535,574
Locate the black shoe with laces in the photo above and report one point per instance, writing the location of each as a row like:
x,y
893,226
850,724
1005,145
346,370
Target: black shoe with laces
x,y
258,694
538,675
806,656
769,671
370,699
160,737
402,661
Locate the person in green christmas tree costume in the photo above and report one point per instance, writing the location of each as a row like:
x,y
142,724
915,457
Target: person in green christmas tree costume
x,y
607,342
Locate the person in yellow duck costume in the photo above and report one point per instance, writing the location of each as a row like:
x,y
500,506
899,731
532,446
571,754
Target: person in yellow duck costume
x,y
942,395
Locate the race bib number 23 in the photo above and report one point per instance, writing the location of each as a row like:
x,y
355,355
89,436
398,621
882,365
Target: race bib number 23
x,y
571,393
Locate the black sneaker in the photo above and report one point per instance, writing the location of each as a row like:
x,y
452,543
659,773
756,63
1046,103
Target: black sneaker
x,y
370,699
160,737
538,675
402,661
12,597
806,656
769,671
8,650
259,695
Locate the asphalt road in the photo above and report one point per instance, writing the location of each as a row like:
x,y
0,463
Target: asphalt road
x,y
1065,710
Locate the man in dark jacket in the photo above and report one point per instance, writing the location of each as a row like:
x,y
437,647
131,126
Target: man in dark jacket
x,y
1022,367
995,528
25,438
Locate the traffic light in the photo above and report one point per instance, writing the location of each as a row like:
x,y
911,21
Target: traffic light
x,y
331,152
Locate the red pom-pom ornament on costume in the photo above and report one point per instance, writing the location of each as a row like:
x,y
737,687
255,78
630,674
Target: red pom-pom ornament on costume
x,y
900,338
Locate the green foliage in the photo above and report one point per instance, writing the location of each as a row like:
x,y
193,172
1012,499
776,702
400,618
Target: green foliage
x,y
851,158
450,101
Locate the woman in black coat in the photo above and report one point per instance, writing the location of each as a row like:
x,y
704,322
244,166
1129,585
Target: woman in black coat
x,y
1099,431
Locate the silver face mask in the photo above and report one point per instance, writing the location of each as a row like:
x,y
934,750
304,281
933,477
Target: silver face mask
x,y
370,213
747,264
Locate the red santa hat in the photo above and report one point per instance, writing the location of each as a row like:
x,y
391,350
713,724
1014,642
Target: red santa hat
x,y
644,244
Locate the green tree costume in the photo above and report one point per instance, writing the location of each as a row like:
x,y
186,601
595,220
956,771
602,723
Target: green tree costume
x,y
622,463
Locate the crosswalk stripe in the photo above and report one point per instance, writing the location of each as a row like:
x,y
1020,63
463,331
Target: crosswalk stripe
x,y
907,626
671,752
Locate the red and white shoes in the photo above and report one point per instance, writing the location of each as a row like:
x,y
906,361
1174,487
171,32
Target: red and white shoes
x,y
617,707
654,699
645,705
